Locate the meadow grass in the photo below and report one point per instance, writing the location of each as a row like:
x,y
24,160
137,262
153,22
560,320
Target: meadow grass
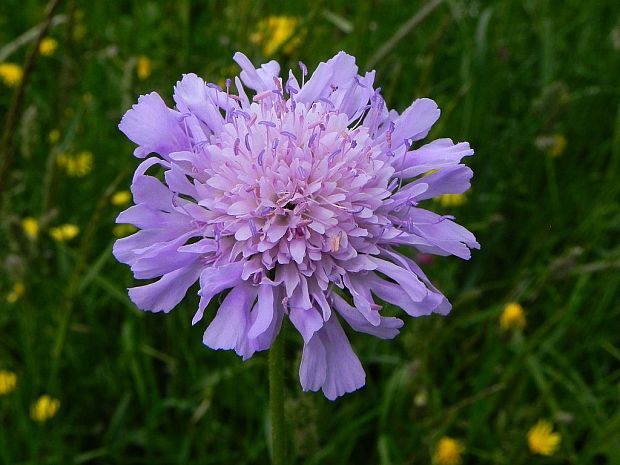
x,y
514,78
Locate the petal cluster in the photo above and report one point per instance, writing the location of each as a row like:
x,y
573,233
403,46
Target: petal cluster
x,y
289,198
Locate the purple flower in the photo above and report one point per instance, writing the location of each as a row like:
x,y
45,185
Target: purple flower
x,y
293,200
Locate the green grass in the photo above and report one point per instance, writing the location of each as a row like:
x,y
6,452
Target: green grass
x,y
142,389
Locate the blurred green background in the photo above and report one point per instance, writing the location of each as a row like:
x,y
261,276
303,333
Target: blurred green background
x,y
534,86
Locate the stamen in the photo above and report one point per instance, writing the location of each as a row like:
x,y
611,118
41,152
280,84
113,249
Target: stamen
x,y
247,142
260,157
267,123
290,135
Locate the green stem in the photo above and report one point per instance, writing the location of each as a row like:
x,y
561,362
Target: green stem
x,y
276,400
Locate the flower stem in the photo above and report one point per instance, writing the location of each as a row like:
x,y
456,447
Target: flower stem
x,y
276,400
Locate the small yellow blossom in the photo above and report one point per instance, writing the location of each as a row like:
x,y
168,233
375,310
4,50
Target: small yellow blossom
x,y
48,46
87,98
122,230
452,200
76,166
64,232
513,317
541,438
17,291
54,136
11,74
143,67
554,145
44,408
8,381
275,31
30,226
559,145
121,198
448,451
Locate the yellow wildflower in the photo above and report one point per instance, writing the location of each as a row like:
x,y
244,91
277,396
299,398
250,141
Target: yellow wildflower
x,y
452,200
122,230
275,31
559,144
121,198
48,46
76,166
54,136
513,317
541,438
87,98
44,408
554,145
8,381
143,67
11,74
16,293
64,232
448,451
30,226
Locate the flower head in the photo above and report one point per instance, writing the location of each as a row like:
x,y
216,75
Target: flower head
x,y
294,199
275,31
121,198
448,451
30,226
10,74
44,408
15,294
76,166
143,67
513,317
64,232
48,46
8,381
541,438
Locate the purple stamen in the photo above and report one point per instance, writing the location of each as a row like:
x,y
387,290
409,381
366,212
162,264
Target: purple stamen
x,y
247,142
267,123
333,154
260,157
265,211
290,135
327,101
311,140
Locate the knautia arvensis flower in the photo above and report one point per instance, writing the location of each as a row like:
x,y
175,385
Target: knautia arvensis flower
x,y
292,202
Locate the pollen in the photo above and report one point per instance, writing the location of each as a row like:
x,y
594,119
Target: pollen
x,y
30,227
542,440
8,381
48,46
11,74
448,451
513,317
44,408
64,233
